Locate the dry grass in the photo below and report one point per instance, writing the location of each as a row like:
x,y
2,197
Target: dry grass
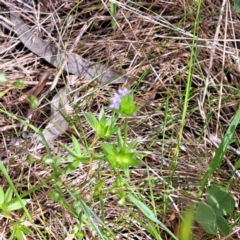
x,y
151,45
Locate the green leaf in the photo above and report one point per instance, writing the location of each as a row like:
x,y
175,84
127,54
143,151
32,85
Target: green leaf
x,y
92,121
220,200
216,161
108,148
33,101
132,145
113,10
54,195
101,116
19,83
104,129
149,214
6,214
222,225
237,165
186,225
237,5
17,204
76,146
7,177
8,195
47,160
3,77
72,166
126,172
120,139
206,217
2,195
18,234
69,150
26,230
127,159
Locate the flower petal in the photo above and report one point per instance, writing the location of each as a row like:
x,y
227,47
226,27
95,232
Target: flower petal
x,y
124,92
116,101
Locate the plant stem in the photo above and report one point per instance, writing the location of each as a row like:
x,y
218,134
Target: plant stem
x,y
125,131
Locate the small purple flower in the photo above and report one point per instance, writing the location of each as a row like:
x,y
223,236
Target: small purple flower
x,y
116,101
117,98
124,92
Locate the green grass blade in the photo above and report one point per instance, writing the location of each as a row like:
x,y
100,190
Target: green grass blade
x,y
216,161
186,225
188,87
149,214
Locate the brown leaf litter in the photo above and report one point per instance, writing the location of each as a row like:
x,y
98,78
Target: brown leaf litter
x,y
150,47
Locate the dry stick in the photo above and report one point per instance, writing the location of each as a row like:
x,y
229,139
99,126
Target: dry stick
x,y
6,23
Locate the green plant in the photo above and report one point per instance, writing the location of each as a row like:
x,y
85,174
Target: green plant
x,y
121,155
217,160
103,128
211,214
3,80
19,230
8,204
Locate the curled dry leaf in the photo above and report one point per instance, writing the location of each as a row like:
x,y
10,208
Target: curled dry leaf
x,y
75,65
